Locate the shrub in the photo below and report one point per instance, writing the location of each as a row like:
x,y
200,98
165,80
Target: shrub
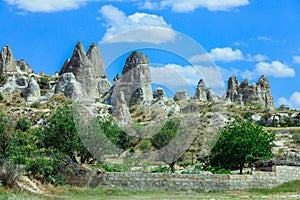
x,y
296,138
35,104
46,169
145,145
3,79
23,124
9,174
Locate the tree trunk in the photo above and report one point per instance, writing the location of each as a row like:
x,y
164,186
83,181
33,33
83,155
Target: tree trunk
x,y
241,168
172,167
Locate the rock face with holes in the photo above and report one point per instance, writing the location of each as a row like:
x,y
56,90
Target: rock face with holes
x,y
135,82
201,91
245,93
15,79
88,70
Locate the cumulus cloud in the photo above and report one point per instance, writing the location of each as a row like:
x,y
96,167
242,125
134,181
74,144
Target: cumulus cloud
x,y
275,69
176,77
46,5
138,27
296,59
293,101
226,54
187,6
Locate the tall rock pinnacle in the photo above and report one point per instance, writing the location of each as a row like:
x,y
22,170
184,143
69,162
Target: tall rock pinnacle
x,y
201,91
135,82
88,69
9,64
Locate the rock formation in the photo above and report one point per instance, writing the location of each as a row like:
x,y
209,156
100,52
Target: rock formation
x,y
212,96
181,95
120,109
245,93
8,64
32,92
159,93
68,85
201,91
232,93
88,69
135,82
14,78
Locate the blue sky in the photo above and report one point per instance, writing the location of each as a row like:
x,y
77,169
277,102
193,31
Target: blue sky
x,y
246,38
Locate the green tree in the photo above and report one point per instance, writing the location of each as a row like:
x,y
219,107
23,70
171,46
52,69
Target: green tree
x,y
241,142
6,136
60,133
116,135
164,136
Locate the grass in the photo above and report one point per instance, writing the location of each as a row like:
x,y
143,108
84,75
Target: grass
x,y
284,191
289,187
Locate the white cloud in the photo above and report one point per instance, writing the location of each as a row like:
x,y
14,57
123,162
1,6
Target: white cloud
x,y
293,101
138,27
226,54
149,5
187,6
264,38
275,69
256,58
176,77
46,5
296,59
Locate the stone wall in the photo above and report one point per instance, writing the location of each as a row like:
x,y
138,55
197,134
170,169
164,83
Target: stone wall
x,y
160,181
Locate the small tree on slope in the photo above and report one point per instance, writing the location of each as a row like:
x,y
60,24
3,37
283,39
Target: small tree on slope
x,y
241,142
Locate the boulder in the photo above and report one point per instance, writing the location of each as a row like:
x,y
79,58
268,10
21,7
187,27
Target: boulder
x,y
201,91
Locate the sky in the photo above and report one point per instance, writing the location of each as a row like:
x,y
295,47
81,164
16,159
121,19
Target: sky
x,y
184,40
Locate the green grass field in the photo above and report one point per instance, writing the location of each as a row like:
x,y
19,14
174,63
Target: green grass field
x,y
290,190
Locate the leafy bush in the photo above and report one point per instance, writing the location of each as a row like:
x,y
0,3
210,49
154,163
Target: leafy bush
x,y
46,169
296,138
145,145
217,170
43,82
23,124
165,135
162,169
118,137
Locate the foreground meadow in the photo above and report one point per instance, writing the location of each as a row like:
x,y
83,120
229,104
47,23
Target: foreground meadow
x,y
290,190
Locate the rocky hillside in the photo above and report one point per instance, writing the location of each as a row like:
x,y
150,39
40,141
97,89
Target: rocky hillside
x,y
131,99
